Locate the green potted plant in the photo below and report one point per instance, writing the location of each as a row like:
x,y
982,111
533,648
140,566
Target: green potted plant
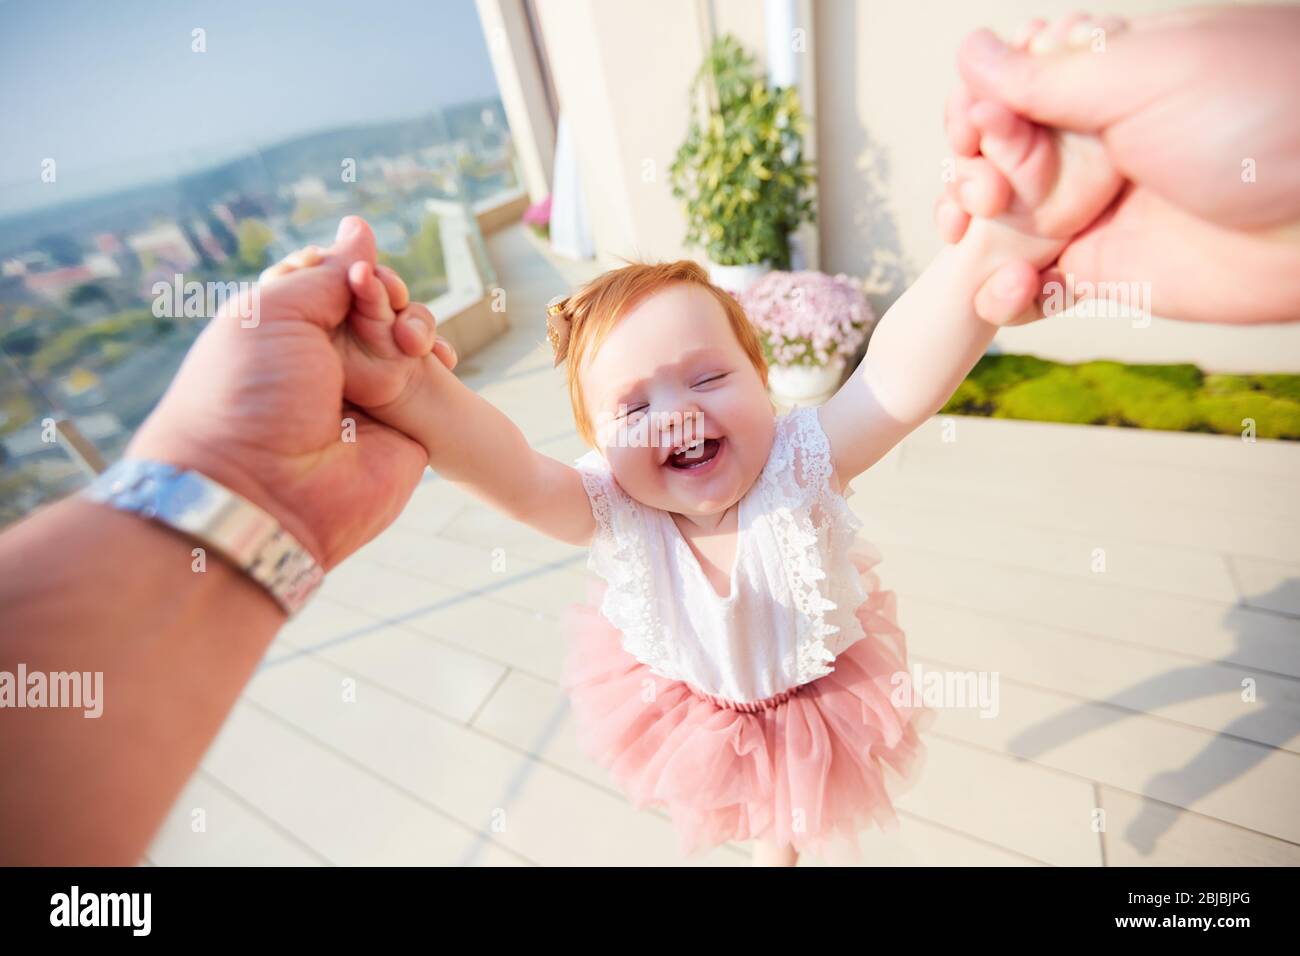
x,y
741,170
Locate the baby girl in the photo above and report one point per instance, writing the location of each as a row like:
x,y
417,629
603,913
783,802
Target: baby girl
x,y
737,662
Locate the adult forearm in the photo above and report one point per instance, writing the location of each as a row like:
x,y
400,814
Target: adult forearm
x,y
87,589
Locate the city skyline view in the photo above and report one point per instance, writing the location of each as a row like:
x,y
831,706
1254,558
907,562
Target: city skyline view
x,y
233,98
255,145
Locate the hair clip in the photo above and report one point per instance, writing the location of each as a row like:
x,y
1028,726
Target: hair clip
x,y
558,325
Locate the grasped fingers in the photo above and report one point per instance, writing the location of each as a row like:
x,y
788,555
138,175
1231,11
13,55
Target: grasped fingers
x,y
1021,151
1009,296
415,333
300,259
398,296
963,137
372,315
415,330
980,188
950,219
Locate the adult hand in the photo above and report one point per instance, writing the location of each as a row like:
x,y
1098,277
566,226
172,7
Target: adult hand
x,y
1200,111
262,409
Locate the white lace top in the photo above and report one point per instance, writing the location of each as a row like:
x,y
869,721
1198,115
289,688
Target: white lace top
x,y
793,588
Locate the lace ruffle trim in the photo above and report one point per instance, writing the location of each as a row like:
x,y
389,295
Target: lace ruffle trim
x,y
816,589
618,554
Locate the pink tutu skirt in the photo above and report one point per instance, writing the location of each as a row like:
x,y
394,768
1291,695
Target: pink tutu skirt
x,y
808,768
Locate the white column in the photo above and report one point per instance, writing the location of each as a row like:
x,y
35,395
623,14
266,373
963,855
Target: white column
x,y
788,31
519,78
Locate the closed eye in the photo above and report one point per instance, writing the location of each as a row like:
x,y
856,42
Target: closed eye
x,y
713,378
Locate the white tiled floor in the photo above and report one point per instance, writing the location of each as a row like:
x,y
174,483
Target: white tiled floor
x,y
412,714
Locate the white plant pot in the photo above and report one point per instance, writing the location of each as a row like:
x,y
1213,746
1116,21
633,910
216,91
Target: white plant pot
x,y
793,385
737,278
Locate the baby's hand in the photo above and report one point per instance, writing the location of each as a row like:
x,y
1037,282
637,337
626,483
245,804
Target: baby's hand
x,y
385,337
1050,183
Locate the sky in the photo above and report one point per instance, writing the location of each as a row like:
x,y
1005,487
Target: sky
x,y
111,90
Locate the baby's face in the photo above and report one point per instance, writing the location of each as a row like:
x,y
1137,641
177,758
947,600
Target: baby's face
x,y
672,370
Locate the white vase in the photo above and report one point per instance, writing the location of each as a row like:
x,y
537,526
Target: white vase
x,y
737,278
793,385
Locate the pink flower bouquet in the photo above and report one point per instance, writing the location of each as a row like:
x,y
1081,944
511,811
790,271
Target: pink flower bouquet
x,y
538,217
808,318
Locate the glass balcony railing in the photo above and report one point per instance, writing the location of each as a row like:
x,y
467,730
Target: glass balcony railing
x,y
91,331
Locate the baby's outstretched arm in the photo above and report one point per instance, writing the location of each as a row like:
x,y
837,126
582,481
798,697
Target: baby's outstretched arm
x,y
919,353
473,444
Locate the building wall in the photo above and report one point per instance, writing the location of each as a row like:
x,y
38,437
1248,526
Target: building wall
x,y
621,74
880,73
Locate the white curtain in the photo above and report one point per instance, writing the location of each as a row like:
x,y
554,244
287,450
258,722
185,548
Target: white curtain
x,y
570,230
